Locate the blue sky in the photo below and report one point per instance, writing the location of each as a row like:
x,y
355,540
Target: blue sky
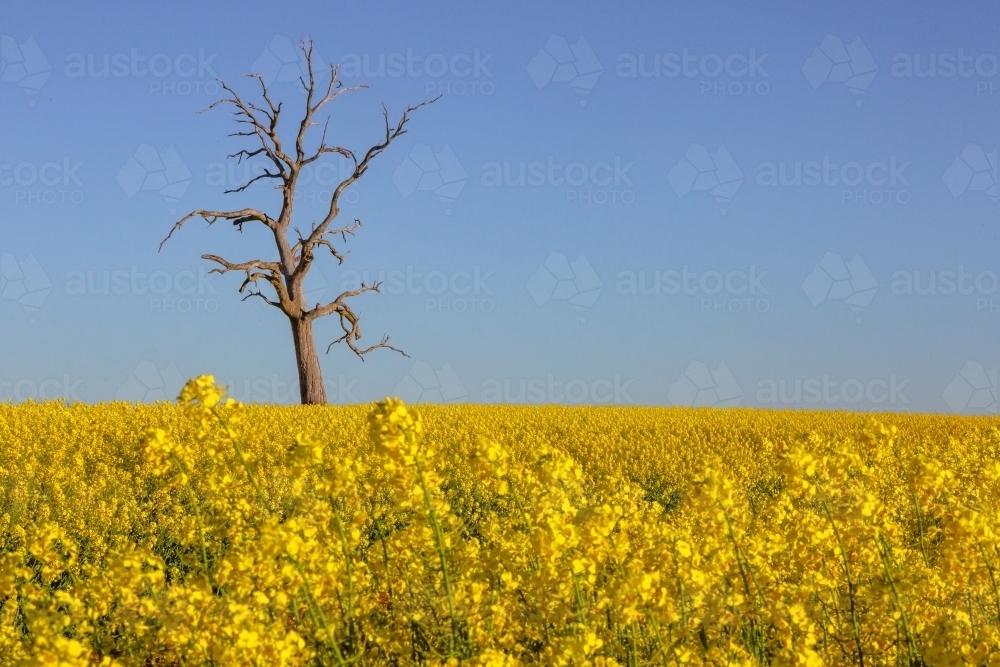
x,y
760,204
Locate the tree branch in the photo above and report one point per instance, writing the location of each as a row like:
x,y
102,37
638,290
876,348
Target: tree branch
x,y
287,274
239,218
244,115
255,270
391,133
346,338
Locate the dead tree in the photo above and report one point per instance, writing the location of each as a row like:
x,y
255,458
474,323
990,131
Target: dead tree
x,y
296,254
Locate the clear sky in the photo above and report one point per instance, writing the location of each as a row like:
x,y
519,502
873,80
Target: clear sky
x,y
754,203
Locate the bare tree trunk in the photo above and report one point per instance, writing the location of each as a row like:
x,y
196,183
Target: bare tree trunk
x,y
311,389
296,254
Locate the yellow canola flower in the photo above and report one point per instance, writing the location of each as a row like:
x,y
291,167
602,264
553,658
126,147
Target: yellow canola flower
x,y
212,532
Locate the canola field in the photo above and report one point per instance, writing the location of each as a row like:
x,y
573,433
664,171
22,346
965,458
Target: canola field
x,y
206,532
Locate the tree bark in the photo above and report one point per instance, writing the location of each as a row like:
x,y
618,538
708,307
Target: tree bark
x,y
311,389
296,255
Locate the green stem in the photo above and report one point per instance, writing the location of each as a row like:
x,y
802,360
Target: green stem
x,y
197,513
850,583
993,577
388,575
920,528
243,461
316,611
442,556
348,568
884,553
579,601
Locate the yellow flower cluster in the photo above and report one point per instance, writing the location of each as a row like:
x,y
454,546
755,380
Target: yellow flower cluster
x,y
208,532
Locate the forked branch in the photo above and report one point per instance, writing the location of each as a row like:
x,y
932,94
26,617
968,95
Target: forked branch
x,y
297,247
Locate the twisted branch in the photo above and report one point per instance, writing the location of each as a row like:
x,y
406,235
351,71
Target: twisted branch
x,y
286,275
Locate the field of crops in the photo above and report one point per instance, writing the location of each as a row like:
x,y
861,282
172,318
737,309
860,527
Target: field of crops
x,y
207,532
